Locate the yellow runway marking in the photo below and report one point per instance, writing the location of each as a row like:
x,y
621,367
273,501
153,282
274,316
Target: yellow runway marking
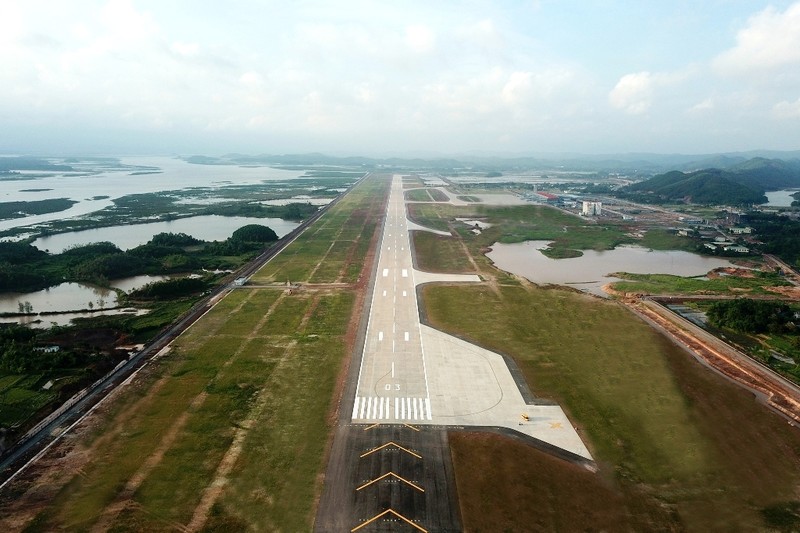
x,y
410,426
407,482
372,426
555,425
391,443
393,512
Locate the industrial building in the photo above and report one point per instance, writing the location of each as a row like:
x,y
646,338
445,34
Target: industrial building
x,y
591,209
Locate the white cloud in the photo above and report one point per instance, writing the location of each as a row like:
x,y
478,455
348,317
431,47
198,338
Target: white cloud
x,y
633,93
517,87
184,49
770,40
785,109
421,39
416,74
700,107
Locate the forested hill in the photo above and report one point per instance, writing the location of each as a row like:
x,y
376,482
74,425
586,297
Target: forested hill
x,y
741,184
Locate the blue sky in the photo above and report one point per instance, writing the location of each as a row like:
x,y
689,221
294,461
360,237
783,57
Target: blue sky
x,y
526,77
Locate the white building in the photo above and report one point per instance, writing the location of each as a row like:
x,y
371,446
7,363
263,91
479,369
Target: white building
x,y
591,209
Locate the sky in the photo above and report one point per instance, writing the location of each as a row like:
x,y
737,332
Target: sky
x,y
399,78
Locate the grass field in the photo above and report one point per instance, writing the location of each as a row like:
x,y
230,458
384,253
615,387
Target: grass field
x,y
668,434
329,252
438,196
418,195
228,432
668,284
436,253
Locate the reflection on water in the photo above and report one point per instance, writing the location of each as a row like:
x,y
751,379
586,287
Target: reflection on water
x,y
64,319
135,282
64,297
71,297
590,271
207,228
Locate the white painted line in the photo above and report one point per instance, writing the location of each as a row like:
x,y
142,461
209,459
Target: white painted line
x,y
414,403
392,368
404,293
363,406
355,408
369,406
421,409
428,406
407,336
396,409
380,336
388,247
385,272
402,249
402,409
392,345
405,272
384,293
380,408
408,401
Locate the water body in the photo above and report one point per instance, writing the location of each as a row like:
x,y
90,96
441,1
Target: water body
x,y
590,271
174,174
71,297
207,228
64,297
780,198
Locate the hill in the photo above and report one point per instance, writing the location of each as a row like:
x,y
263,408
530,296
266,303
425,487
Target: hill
x,y
710,186
768,174
741,183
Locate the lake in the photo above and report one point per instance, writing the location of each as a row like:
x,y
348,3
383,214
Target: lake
x,y
174,174
590,271
71,297
207,228
64,297
780,198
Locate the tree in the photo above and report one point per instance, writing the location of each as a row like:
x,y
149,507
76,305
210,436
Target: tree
x,y
254,233
28,307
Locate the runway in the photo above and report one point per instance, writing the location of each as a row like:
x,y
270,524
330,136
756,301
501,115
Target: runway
x,y
390,466
413,373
